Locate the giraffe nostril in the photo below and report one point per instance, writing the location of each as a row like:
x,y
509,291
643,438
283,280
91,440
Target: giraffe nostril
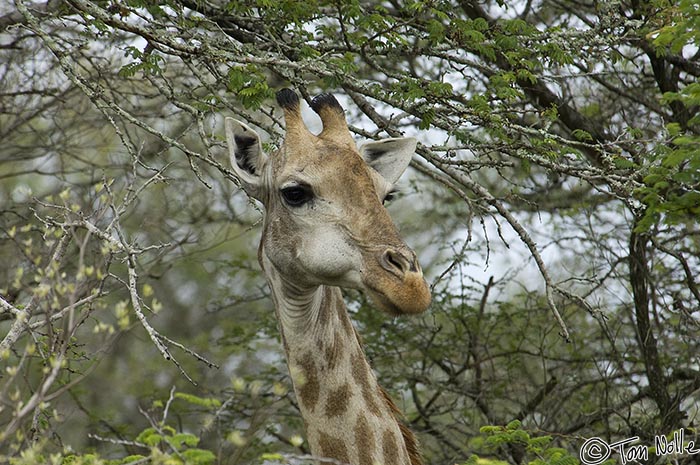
x,y
398,262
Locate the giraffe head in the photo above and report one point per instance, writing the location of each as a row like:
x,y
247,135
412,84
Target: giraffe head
x,y
325,223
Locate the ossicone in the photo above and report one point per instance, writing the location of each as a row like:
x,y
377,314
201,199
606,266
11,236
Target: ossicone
x,y
326,100
288,99
296,129
335,127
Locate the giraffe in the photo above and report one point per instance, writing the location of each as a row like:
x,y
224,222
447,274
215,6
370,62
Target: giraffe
x,y
324,229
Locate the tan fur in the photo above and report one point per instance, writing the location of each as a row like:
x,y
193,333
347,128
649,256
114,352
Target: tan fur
x,y
360,372
334,350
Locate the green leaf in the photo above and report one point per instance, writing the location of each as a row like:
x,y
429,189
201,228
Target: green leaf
x,y
198,457
132,458
582,135
514,425
196,400
525,75
675,158
623,163
186,439
480,24
436,30
648,220
674,129
427,119
686,140
488,429
150,437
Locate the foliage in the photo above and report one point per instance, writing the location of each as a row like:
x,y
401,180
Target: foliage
x,y
553,201
537,450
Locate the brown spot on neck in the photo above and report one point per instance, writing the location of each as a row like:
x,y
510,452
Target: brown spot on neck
x,y
332,448
390,448
338,400
308,386
365,441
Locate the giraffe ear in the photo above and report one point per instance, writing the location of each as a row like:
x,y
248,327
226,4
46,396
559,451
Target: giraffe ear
x,y
246,155
389,157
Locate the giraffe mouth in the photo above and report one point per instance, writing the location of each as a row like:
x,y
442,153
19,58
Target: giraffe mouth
x,y
409,295
384,303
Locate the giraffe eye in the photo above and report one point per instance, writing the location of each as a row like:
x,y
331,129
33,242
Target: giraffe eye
x,y
298,195
389,197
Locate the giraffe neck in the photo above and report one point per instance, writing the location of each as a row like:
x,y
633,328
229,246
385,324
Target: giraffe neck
x,y
348,417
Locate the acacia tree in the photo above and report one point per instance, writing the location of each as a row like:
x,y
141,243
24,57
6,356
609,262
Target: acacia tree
x,y
559,152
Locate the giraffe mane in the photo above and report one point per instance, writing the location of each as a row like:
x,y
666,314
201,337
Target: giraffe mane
x,y
409,438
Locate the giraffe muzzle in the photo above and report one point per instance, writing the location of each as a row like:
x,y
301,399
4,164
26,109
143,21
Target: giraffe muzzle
x,y
398,286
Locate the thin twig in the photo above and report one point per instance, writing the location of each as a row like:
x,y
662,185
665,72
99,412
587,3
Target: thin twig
x,y
120,442
136,304
166,409
189,351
